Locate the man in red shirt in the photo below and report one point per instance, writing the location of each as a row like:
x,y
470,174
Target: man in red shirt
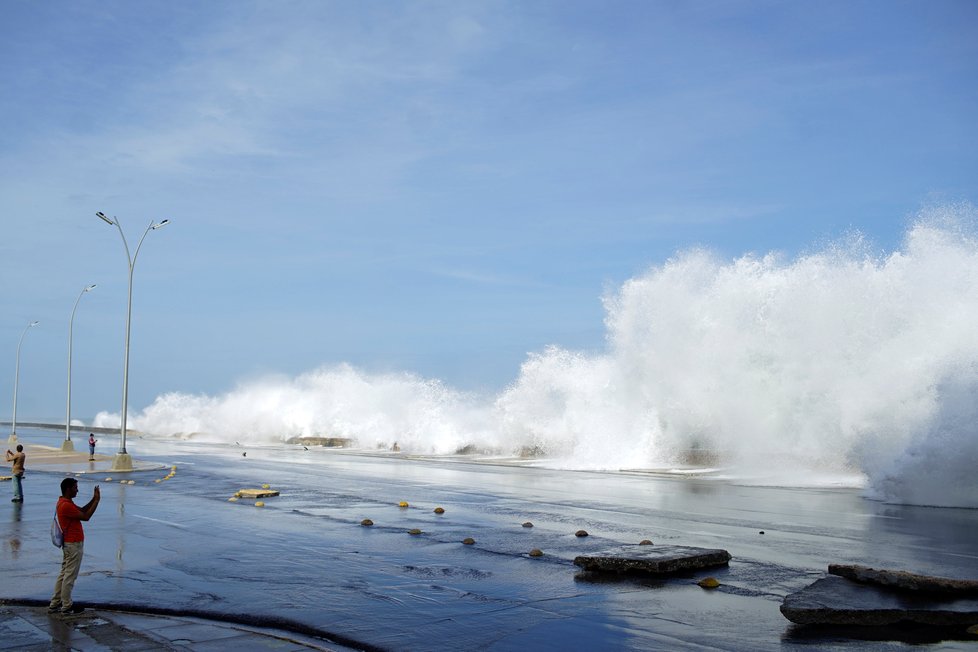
x,y
70,517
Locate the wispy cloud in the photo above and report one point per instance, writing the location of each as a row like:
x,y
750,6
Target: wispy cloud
x,y
487,278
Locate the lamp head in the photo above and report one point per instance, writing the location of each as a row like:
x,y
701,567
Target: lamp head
x,y
33,324
101,215
160,224
90,288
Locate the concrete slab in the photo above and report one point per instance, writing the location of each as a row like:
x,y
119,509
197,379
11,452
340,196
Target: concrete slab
x,y
17,633
905,580
837,601
193,633
652,560
256,493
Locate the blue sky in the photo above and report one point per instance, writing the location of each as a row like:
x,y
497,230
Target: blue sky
x,y
435,187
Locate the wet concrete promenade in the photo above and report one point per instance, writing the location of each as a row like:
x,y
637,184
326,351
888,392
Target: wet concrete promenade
x,y
27,625
55,460
177,547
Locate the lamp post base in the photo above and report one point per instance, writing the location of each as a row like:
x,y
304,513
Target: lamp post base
x,y
122,462
12,439
68,446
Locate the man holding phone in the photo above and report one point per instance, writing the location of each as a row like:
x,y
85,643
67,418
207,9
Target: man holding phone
x,y
69,517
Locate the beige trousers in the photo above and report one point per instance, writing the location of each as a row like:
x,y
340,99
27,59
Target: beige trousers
x,y
70,565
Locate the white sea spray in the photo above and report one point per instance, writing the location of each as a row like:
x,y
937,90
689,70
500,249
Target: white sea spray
x,y
840,363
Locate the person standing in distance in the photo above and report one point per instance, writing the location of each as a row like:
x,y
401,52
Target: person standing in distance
x,y
91,445
17,471
70,517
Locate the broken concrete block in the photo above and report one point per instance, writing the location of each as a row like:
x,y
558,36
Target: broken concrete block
x,y
256,493
904,580
837,601
652,560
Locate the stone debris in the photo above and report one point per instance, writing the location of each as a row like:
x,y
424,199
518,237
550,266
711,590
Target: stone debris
x,y
835,600
256,493
653,560
905,580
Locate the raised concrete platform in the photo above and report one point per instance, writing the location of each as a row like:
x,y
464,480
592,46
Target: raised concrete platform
x,y
835,600
652,560
48,458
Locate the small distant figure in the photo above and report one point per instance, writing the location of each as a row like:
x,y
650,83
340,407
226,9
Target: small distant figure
x,y
91,446
69,517
244,454
396,448
17,470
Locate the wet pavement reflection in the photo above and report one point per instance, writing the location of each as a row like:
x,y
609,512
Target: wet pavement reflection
x,y
178,542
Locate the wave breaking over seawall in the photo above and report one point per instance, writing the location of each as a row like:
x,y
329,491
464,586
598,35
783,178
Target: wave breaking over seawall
x,y
841,361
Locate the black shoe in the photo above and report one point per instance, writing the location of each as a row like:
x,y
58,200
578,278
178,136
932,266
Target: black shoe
x,y
54,610
16,500
73,609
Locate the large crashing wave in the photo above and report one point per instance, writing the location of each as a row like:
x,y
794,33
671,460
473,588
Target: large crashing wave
x,y
839,361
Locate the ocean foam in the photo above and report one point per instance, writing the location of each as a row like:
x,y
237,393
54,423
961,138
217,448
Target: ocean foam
x,y
839,363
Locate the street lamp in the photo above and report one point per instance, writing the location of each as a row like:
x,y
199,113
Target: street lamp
x,y
13,428
67,445
123,461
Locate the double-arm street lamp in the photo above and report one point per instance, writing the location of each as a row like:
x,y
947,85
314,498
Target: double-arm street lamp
x,y
67,445
13,428
123,461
